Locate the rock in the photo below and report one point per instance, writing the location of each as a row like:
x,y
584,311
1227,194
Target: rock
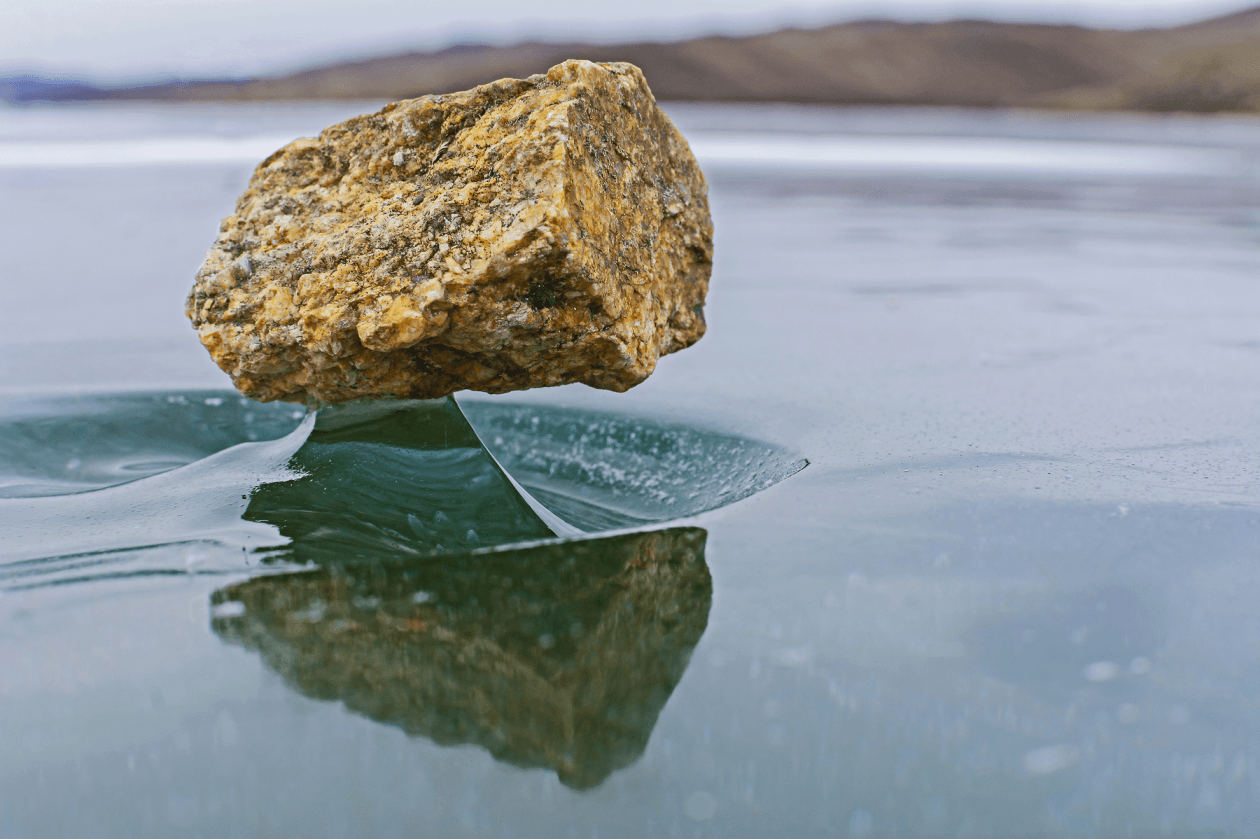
x,y
525,233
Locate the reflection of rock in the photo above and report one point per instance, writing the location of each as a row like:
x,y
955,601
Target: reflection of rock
x,y
559,655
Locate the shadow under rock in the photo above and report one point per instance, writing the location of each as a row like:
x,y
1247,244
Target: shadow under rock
x,y
558,655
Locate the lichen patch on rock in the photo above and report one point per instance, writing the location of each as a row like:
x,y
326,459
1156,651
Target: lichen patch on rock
x,y
522,234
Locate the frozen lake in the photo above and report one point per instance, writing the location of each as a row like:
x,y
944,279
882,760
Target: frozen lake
x,y
1013,592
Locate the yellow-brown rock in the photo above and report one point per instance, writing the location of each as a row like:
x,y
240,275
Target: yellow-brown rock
x,y
525,233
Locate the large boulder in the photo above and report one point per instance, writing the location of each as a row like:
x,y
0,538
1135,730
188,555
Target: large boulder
x,y
522,234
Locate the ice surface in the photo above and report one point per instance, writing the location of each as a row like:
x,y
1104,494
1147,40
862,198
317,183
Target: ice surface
x,y
59,445
200,502
601,470
152,483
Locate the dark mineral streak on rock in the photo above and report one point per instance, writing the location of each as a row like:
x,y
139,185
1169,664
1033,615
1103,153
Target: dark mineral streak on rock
x,y
559,655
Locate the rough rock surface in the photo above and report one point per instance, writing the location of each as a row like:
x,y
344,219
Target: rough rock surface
x,y
522,234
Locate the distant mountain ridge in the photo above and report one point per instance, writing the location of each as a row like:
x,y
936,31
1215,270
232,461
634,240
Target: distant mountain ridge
x,y
1213,65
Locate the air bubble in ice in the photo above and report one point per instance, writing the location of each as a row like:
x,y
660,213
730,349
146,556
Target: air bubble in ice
x,y
229,609
314,614
1050,759
1101,671
861,823
700,806
1128,714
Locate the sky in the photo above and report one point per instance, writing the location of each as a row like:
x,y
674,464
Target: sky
x,y
131,40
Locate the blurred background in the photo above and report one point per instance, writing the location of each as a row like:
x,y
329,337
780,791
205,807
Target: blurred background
x,y
1200,55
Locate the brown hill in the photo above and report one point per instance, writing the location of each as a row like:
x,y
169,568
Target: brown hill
x,y
1213,65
